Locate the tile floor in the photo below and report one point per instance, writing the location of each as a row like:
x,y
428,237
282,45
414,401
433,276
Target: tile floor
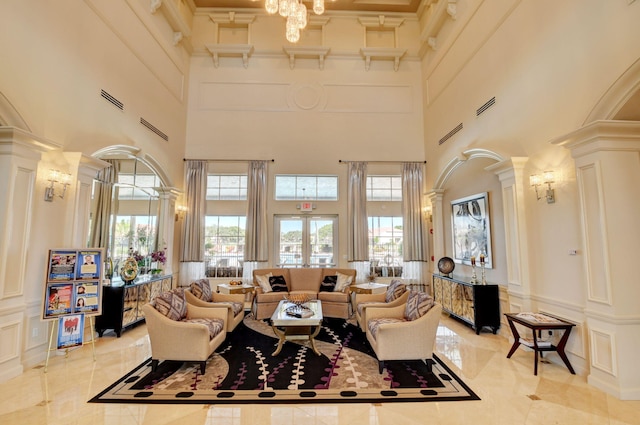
x,y
510,393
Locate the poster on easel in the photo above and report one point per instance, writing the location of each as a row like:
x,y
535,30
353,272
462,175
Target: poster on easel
x,y
70,331
73,283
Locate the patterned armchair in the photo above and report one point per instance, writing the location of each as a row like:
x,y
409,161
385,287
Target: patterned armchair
x,y
200,294
396,294
181,331
404,332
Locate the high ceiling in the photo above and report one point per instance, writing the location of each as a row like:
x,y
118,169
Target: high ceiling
x,y
404,6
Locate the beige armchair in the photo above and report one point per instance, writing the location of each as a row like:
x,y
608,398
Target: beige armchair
x,y
200,294
394,336
396,294
186,333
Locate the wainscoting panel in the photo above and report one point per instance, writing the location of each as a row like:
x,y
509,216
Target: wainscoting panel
x,y
603,356
230,96
388,99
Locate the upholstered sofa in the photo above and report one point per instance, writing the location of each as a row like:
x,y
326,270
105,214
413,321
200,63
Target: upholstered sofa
x,y
310,281
181,331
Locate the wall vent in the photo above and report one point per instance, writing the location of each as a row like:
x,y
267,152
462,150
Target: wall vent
x,y
450,134
486,106
115,102
153,128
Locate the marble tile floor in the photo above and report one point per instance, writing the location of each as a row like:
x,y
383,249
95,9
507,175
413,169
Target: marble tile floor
x,y
510,393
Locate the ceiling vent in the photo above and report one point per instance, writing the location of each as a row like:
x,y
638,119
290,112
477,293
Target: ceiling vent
x,y
486,106
115,102
450,134
153,128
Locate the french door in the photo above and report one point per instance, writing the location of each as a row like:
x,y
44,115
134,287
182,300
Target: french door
x,y
306,241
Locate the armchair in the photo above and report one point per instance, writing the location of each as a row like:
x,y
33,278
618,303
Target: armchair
x,y
404,332
200,294
183,332
396,294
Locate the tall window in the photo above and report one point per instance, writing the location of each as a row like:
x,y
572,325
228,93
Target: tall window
x,y
137,232
223,187
224,245
384,188
306,187
306,241
385,245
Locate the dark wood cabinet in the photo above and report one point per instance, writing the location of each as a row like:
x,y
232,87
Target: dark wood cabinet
x,y
122,304
477,305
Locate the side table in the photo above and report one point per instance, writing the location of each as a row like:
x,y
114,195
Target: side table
x,y
245,288
538,322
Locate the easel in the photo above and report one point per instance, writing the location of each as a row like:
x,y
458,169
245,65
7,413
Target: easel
x,y
66,350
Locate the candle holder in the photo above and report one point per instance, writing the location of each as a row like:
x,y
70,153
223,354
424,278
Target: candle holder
x,y
474,277
483,279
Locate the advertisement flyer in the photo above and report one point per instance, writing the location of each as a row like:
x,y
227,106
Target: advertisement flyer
x,y
59,299
87,297
62,265
70,331
89,263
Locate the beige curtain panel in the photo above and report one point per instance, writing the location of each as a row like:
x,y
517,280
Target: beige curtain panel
x,y
256,246
358,229
414,247
105,182
192,244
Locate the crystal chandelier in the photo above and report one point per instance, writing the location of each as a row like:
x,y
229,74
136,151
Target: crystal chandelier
x,y
295,12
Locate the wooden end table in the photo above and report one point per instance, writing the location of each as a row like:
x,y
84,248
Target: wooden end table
x,y
538,322
288,328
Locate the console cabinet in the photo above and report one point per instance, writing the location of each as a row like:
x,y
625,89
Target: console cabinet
x,y
477,305
122,304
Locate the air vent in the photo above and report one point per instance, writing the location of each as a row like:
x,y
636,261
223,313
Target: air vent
x,y
486,106
153,128
115,102
450,134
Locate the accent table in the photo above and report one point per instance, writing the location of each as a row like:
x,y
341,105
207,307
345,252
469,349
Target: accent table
x,y
537,326
289,328
245,288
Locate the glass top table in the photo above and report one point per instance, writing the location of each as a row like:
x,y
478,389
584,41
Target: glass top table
x,y
288,327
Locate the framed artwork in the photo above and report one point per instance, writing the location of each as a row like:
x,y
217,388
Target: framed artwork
x,y
471,227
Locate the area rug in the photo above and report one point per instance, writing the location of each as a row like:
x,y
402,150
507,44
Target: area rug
x,y
243,370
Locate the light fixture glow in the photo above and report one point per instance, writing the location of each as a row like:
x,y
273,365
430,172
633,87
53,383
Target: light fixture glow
x,y
547,178
296,13
56,176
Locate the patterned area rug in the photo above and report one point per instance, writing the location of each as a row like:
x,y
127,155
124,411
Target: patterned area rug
x,y
243,371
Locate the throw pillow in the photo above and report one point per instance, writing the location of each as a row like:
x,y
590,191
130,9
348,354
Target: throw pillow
x,y
417,305
201,289
278,284
395,289
343,281
172,304
328,284
263,282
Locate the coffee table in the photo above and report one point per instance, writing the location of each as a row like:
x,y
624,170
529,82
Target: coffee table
x,y
289,328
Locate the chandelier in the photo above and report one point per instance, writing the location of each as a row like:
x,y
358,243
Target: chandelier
x,y
296,13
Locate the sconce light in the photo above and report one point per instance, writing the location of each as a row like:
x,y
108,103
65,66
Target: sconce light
x,y
181,210
55,176
427,212
547,178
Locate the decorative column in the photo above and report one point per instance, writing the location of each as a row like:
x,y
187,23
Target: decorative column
x,y
437,216
166,222
511,175
20,153
608,172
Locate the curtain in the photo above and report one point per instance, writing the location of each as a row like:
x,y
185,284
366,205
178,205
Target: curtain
x,y
192,243
105,181
256,251
358,229
414,247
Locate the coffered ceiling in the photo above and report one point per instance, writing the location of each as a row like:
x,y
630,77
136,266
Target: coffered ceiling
x,y
404,6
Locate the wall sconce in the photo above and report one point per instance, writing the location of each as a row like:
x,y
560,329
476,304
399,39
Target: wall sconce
x,y
547,178
427,212
55,176
181,211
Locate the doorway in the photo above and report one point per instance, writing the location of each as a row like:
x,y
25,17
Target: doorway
x,y
306,241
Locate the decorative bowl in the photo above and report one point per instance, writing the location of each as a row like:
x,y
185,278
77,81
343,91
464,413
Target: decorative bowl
x,y
446,265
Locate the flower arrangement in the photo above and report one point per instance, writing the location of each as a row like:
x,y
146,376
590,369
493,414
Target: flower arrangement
x,y
159,256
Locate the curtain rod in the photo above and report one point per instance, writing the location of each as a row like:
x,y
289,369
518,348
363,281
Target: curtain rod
x,y
385,162
227,160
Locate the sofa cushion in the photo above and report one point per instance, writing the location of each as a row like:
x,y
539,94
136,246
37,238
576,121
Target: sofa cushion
x,y
334,297
263,282
236,307
396,288
271,297
342,282
172,304
278,284
215,326
374,324
328,284
417,305
201,289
